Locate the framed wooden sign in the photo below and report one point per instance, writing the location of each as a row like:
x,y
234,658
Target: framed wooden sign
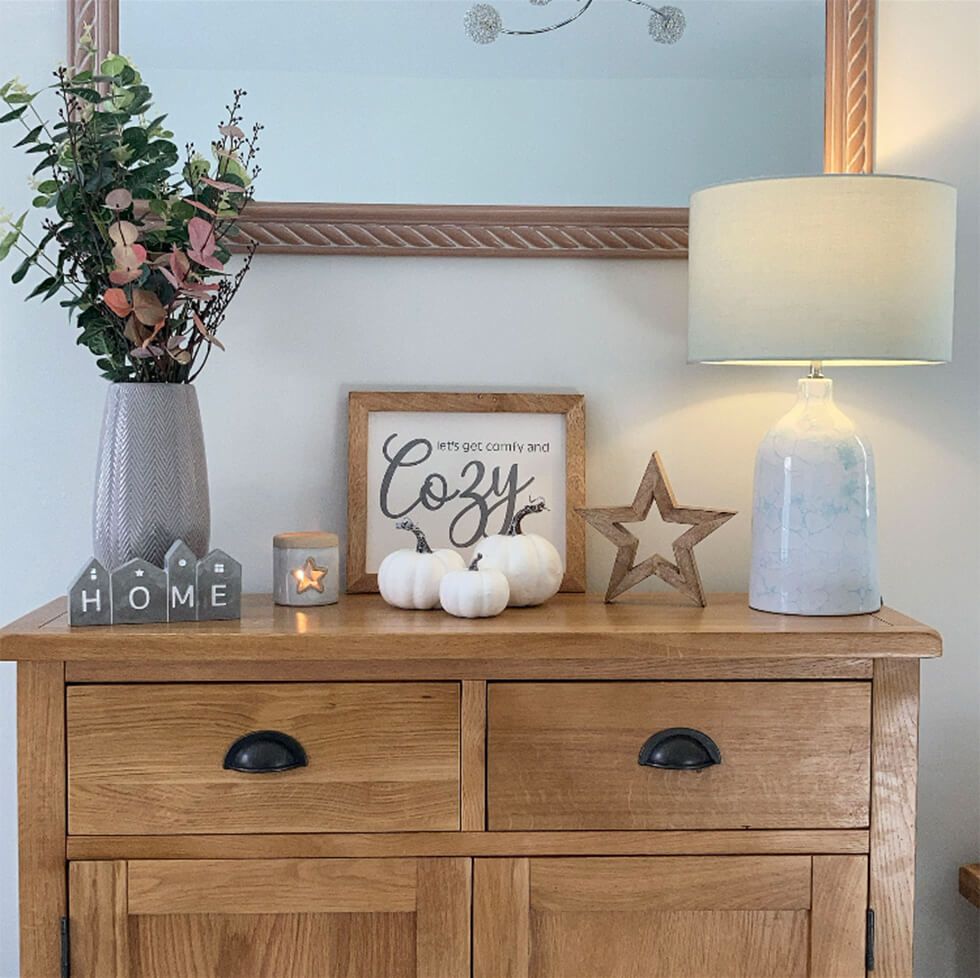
x,y
460,465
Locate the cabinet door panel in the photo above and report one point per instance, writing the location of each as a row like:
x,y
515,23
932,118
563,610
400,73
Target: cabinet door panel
x,y
670,917
671,944
289,918
273,945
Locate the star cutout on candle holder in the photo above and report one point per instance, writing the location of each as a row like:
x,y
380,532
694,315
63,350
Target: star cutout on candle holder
x,y
683,574
310,575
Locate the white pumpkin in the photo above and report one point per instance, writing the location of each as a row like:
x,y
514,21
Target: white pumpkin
x,y
474,593
410,578
530,563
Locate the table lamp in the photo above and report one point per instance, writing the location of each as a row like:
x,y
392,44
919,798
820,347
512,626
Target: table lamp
x,y
841,269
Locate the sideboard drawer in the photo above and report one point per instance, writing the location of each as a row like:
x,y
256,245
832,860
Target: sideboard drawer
x,y
566,755
150,759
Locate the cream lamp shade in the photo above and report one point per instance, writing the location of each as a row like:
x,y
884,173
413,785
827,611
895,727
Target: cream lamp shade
x,y
839,268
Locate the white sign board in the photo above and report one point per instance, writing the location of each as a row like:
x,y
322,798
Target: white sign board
x,y
461,476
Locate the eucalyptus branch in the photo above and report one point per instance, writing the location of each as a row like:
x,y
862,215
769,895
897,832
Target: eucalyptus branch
x,y
146,278
33,256
76,161
207,353
40,118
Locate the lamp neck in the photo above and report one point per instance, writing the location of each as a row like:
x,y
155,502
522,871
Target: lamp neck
x,y
816,370
815,390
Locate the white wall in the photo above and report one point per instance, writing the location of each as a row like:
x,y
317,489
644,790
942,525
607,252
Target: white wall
x,y
613,330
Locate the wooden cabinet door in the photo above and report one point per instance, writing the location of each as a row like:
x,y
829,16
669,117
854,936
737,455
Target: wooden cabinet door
x,y
278,918
670,917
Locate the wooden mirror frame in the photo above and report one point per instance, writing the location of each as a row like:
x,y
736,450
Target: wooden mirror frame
x,y
524,232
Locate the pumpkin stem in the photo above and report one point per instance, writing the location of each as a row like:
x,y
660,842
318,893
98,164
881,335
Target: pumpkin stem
x,y
533,506
421,544
474,564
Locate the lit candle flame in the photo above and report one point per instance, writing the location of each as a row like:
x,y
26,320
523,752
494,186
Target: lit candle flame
x,y
310,576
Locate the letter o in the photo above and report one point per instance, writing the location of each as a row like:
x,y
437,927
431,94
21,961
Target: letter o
x,y
132,598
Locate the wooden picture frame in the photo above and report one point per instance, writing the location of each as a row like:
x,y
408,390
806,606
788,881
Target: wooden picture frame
x,y
526,232
362,404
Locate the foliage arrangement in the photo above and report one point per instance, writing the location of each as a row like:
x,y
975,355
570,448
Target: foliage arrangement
x,y
137,235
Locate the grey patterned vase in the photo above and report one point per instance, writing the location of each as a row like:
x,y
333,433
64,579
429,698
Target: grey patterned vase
x,y
151,483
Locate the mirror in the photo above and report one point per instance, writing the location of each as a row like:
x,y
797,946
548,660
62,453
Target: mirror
x,y
535,126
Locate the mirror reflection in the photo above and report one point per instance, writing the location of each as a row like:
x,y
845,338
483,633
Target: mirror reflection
x,y
537,102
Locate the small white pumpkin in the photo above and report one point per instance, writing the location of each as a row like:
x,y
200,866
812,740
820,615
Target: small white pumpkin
x,y
530,563
410,578
474,593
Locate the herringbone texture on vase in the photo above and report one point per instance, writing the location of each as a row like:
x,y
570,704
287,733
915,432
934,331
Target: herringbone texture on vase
x,y
151,484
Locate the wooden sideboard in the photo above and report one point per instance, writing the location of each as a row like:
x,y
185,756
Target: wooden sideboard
x,y
644,789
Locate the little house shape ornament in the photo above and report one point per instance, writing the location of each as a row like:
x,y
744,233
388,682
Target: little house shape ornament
x,y
181,567
139,593
219,587
682,575
90,596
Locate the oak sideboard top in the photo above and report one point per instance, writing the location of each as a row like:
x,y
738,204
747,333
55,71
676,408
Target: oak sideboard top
x,y
570,628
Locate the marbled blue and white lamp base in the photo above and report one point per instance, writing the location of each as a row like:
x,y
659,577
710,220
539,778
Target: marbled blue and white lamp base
x,y
814,519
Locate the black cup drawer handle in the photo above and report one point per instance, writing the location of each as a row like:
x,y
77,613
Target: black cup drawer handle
x,y
265,752
680,749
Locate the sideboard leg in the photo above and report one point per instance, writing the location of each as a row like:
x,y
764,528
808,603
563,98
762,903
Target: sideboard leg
x,y
41,802
894,759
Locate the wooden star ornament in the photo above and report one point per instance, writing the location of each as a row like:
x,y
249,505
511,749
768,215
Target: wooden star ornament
x,y
683,573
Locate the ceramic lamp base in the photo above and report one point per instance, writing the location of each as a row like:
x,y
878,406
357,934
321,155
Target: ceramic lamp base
x,y
814,518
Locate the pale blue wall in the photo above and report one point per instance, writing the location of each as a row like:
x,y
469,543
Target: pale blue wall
x,y
327,324
390,101
45,389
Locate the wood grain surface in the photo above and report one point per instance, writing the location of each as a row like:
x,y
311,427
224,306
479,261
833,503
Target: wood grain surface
x,y
98,918
369,861
258,886
303,918
723,917
469,669
565,756
442,918
148,759
501,918
894,761
660,883
970,883
473,773
838,916
41,804
569,628
377,844
349,945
